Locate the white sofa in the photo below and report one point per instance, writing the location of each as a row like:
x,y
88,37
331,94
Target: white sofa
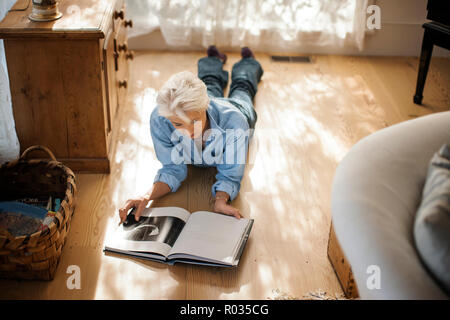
x,y
376,191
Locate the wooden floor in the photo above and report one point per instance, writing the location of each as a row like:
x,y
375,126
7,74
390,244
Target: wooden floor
x,y
309,115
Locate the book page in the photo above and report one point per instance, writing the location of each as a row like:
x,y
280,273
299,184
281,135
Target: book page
x,y
211,236
156,231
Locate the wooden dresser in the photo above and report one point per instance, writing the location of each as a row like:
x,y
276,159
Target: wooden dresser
x,y
68,78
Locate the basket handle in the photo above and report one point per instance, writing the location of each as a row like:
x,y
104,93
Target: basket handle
x,y
38,147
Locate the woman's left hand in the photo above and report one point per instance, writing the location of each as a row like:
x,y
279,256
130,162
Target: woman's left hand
x,y
221,206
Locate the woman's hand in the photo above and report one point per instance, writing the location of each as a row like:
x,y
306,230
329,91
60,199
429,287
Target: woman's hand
x,y
158,190
139,203
221,206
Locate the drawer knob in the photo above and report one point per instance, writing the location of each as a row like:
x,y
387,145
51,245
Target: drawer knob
x,y
122,47
129,55
123,83
118,14
128,23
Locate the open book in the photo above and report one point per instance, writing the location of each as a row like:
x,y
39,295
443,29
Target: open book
x,y
171,234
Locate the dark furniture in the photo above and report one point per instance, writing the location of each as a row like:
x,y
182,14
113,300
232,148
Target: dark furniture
x,y
437,33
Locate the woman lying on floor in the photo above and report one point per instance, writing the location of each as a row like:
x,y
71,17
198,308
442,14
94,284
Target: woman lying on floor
x,y
194,124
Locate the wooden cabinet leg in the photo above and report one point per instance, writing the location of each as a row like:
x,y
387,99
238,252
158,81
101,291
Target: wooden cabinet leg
x,y
341,266
425,57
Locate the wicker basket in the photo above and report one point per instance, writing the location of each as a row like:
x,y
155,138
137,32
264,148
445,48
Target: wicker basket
x,y
36,256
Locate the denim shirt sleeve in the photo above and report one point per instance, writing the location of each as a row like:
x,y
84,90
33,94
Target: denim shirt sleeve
x,y
172,174
230,173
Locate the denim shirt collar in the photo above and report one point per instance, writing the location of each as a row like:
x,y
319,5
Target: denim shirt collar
x,y
213,116
213,126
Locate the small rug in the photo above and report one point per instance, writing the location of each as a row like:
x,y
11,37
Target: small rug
x,y
316,295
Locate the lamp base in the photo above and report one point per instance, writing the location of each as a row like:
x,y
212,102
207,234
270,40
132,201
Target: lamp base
x,y
45,13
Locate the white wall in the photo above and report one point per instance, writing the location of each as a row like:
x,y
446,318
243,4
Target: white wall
x,y
9,143
401,30
401,34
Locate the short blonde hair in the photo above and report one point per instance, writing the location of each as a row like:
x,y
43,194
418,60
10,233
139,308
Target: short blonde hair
x,y
183,92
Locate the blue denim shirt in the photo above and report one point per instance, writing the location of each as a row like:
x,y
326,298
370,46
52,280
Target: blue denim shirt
x,y
225,148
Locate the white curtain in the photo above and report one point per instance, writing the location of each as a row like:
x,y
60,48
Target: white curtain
x,y
9,144
266,24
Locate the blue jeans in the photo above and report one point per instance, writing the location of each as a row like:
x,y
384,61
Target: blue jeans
x,y
245,77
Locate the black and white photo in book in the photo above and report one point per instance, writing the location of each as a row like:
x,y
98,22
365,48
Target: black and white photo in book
x,y
160,229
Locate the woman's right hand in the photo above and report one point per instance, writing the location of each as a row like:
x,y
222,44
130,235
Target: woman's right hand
x,y
139,203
